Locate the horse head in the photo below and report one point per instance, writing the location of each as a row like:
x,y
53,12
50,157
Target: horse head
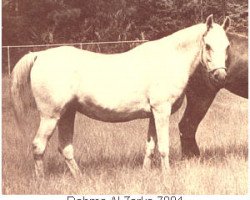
x,y
214,52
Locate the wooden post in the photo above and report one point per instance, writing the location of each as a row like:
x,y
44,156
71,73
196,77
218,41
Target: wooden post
x,y
8,56
201,9
224,8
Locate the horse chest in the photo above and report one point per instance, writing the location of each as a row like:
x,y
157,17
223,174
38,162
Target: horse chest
x,y
168,86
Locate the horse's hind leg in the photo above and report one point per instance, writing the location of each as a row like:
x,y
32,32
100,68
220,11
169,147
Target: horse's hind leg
x,y
65,136
150,145
46,128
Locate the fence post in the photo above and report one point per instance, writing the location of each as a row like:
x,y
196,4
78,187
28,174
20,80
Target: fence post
x,y
224,8
8,56
201,9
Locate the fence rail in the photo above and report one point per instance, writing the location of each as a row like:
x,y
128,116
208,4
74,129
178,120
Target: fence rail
x,y
79,45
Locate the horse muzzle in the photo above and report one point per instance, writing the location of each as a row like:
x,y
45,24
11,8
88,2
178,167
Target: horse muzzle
x,y
218,77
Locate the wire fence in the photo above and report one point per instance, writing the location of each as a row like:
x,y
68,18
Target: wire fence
x,y
11,54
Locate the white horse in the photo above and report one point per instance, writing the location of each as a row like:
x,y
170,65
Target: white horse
x,y
144,82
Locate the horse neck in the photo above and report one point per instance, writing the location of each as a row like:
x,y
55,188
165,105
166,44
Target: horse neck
x,y
188,45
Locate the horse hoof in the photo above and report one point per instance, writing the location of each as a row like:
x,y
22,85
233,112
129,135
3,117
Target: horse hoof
x,y
189,148
39,176
190,153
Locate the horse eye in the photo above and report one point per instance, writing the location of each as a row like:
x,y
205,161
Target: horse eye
x,y
208,47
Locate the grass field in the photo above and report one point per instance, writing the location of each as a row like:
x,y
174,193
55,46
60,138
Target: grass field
x,y
111,155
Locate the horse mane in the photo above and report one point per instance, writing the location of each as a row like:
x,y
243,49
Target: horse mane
x,y
183,38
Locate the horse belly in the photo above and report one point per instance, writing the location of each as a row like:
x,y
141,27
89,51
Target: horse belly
x,y
114,112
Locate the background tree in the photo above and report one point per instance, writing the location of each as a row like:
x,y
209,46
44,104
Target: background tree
x,y
56,21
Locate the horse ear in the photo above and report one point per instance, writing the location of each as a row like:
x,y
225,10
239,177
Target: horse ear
x,y
226,23
209,21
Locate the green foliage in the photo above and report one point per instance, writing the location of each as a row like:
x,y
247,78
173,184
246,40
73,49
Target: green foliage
x,y
56,21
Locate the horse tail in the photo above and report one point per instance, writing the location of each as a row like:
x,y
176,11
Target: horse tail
x,y
20,90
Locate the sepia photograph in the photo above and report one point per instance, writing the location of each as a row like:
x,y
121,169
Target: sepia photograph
x,y
114,97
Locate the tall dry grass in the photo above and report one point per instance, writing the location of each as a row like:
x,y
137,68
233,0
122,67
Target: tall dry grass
x,y
111,155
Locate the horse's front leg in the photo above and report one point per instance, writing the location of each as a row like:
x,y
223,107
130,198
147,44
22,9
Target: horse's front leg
x,y
161,114
197,107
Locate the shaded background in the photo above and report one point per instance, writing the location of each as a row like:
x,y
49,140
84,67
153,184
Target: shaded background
x,y
66,21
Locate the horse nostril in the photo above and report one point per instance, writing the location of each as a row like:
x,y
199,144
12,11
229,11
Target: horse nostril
x,y
216,76
220,75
